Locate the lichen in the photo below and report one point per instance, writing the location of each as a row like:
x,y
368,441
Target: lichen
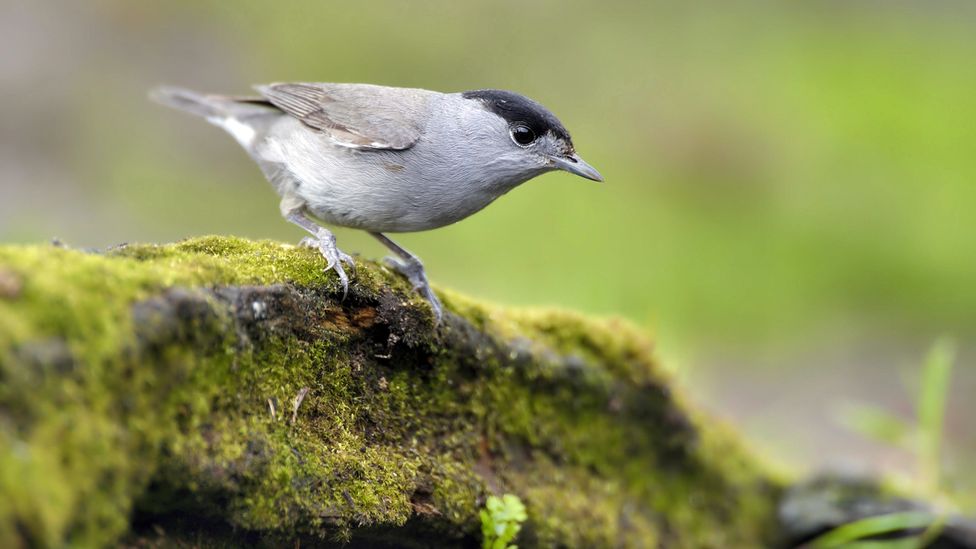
x,y
137,389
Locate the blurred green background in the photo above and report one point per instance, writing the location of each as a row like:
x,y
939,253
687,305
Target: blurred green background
x,y
789,204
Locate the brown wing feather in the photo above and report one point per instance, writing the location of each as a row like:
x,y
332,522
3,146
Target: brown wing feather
x,y
354,115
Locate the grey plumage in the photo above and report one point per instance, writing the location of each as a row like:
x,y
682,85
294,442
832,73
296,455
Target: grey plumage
x,y
355,115
386,159
210,105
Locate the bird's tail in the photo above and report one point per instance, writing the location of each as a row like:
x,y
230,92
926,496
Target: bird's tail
x,y
239,116
190,101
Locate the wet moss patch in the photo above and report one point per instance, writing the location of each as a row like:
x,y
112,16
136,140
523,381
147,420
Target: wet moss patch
x,y
152,393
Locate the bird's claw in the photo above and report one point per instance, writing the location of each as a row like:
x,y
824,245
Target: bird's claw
x,y
413,270
325,242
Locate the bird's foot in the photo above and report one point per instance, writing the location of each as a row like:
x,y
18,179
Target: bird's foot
x,y
413,270
325,242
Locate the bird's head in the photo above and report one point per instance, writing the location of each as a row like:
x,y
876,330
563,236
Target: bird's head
x,y
533,135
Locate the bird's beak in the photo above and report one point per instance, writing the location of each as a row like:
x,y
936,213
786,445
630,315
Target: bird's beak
x,y
572,163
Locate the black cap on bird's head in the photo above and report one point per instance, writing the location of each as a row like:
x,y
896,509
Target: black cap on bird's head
x,y
528,121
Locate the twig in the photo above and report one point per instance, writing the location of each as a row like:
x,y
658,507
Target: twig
x,y
274,413
297,403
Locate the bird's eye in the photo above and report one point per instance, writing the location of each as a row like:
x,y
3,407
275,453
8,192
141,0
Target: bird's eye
x,y
522,135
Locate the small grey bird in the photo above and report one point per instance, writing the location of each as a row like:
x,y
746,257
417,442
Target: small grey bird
x,y
387,160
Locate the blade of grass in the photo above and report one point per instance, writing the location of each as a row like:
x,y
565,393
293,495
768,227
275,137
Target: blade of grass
x,y
875,423
933,394
847,534
932,531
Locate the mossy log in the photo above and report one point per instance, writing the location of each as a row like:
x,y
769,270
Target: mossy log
x,y
221,392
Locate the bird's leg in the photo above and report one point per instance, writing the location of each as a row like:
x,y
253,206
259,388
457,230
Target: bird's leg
x,y
410,266
325,242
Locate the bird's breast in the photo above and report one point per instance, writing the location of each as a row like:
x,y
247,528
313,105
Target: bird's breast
x,y
421,188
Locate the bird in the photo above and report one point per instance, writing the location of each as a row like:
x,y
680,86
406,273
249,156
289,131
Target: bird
x,y
386,159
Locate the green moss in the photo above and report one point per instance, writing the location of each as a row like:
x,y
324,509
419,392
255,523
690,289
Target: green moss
x,y
133,380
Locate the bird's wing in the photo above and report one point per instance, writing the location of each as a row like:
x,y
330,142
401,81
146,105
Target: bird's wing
x,y
360,116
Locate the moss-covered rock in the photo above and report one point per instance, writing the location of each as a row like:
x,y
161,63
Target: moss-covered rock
x,y
219,392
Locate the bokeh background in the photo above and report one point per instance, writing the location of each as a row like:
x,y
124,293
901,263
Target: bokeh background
x,y
790,194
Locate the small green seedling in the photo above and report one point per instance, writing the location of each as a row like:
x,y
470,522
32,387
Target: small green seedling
x,y
924,438
501,520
